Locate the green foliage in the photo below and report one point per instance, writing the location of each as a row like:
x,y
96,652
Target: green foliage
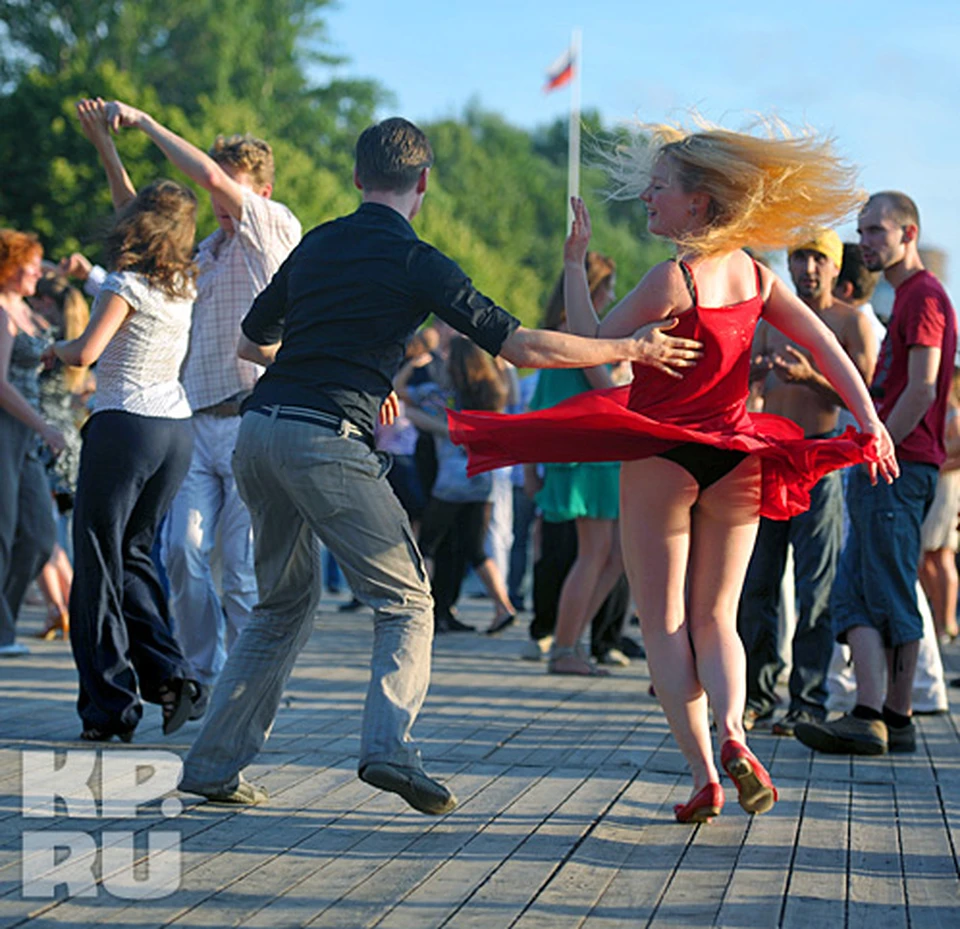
x,y
204,67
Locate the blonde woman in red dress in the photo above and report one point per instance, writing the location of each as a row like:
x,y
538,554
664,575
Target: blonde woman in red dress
x,y
699,470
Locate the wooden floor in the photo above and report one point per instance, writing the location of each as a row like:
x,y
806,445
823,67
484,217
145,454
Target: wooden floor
x,y
566,791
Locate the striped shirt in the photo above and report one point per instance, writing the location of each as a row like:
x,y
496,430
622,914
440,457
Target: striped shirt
x,y
233,270
139,369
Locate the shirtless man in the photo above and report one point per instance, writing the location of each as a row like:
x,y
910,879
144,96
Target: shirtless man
x,y
795,389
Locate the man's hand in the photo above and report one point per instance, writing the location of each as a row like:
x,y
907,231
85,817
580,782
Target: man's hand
x,y
575,247
93,120
123,116
75,266
665,352
793,367
390,409
760,367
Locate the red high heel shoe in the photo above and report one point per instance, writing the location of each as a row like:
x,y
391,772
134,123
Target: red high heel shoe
x,y
706,804
755,790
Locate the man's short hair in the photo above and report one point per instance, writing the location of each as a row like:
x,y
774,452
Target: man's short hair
x,y
855,272
898,206
391,155
252,156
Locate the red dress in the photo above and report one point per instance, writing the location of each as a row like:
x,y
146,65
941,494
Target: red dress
x,y
657,412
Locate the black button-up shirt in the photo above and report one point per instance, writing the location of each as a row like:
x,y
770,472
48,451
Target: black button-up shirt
x,y
344,304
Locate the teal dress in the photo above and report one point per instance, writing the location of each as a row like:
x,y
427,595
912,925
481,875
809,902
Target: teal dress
x,y
573,491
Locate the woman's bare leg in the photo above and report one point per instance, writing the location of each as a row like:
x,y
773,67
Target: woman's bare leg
x,y
724,530
54,583
938,578
492,581
588,583
656,498
590,579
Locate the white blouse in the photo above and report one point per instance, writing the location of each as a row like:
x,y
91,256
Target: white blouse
x,y
139,370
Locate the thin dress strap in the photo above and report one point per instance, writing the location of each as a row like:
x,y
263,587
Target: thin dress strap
x,y
689,281
756,268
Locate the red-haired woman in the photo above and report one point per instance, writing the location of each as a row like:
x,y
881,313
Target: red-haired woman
x,y
27,528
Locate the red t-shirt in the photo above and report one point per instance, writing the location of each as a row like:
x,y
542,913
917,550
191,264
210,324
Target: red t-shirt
x,y
922,315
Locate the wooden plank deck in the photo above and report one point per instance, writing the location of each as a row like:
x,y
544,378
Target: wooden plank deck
x,y
566,788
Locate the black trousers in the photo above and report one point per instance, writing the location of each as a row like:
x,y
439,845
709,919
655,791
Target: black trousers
x,y
130,469
558,551
453,535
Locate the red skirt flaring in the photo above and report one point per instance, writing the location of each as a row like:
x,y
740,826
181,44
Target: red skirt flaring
x,y
598,426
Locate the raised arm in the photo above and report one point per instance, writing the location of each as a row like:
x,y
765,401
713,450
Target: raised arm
x,y
93,123
193,162
661,292
786,312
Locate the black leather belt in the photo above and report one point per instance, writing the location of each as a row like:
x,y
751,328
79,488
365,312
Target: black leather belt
x,y
303,414
225,408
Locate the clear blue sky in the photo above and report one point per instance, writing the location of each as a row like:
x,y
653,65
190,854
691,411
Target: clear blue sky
x,y
883,77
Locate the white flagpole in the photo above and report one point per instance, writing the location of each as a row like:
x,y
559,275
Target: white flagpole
x,y
573,151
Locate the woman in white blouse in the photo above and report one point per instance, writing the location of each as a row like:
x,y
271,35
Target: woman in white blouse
x,y
136,450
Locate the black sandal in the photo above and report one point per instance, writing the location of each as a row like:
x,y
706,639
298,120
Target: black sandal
x,y
177,699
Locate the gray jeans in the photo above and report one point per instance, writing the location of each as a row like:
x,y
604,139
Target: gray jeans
x,y
301,480
27,528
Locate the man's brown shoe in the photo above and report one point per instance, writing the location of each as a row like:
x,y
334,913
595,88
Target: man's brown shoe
x,y
848,735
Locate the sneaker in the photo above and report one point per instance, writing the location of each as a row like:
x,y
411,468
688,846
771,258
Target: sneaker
x,y
752,716
535,649
847,735
787,723
351,606
903,739
423,793
14,650
613,656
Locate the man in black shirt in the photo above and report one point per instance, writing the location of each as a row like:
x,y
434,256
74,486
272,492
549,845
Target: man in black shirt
x,y
331,328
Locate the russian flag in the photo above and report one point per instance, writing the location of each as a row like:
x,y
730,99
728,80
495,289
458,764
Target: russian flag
x,y
560,72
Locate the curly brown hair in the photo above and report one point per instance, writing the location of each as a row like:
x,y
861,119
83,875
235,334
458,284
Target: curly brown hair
x,y
153,236
245,153
16,249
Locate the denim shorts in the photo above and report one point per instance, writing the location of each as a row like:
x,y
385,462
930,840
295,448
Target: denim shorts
x,y
876,582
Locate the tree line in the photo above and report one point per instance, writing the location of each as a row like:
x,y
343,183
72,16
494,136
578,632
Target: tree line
x,y
203,67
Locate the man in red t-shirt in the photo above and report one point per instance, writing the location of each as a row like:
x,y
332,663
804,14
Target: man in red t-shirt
x,y
874,604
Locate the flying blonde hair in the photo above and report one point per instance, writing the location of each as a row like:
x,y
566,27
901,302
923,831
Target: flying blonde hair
x,y
768,191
